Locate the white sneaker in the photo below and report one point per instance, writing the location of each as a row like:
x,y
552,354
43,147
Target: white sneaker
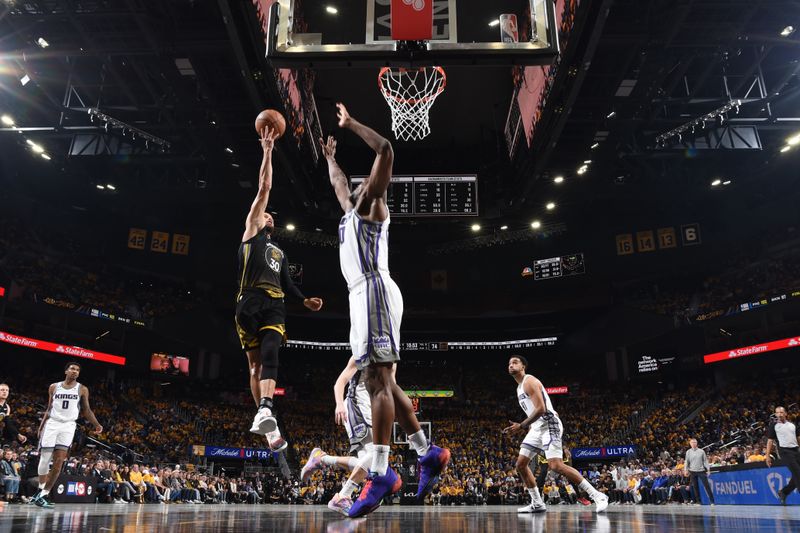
x,y
276,442
264,422
533,508
601,503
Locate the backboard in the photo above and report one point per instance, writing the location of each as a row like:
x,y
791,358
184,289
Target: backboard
x,y
302,33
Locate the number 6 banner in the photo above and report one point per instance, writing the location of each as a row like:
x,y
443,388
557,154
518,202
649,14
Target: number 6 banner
x,y
412,20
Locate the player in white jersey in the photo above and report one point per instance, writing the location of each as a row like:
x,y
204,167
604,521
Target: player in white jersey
x,y
354,412
67,401
543,438
376,310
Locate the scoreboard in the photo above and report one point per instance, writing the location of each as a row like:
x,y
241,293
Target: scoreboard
x,y
446,195
559,267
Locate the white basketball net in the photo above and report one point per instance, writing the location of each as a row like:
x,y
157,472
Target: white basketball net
x,y
410,94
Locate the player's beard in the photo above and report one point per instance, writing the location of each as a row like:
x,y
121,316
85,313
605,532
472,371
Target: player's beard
x,y
269,229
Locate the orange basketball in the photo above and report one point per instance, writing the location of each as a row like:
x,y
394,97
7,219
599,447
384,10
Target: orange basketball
x,y
273,119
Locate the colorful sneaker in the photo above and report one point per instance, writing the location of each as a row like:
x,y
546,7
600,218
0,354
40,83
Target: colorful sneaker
x,y
34,497
313,464
340,504
584,502
431,466
264,422
276,442
44,502
373,493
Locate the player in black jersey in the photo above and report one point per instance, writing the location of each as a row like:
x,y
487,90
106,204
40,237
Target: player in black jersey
x,y
260,313
8,429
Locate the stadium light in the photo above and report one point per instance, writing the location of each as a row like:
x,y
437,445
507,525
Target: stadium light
x,y
494,23
787,31
332,10
550,206
476,227
536,224
7,120
290,227
503,228
716,182
558,179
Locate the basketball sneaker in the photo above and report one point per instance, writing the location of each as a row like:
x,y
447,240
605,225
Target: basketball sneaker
x,y
276,442
44,502
313,464
340,505
533,508
431,465
264,422
601,503
373,493
34,497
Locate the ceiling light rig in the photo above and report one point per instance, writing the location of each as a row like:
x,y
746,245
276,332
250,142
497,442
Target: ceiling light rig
x,y
700,122
109,122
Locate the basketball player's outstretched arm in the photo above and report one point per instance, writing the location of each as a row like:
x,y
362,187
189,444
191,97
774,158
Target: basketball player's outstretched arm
x,y
87,412
337,176
264,185
340,415
381,173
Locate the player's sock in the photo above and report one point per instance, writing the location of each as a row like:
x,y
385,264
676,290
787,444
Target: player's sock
x,y
265,403
589,489
44,493
536,499
419,442
327,460
380,461
41,486
348,489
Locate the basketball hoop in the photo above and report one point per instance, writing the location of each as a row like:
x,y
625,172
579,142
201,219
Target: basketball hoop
x,y
410,94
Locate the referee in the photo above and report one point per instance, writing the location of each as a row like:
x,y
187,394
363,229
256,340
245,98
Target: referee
x,y
785,433
697,467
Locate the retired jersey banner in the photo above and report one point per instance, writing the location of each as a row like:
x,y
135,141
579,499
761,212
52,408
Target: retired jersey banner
x,y
756,349
72,351
412,20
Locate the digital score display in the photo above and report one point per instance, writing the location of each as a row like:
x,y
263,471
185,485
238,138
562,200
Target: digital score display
x,y
430,195
559,267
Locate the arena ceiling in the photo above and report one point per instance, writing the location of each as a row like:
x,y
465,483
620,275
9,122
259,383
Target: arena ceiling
x,y
193,74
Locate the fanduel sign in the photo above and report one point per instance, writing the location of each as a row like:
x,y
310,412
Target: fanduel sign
x,y
758,486
604,452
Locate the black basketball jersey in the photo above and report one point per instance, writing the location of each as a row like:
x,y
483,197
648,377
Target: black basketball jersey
x,y
260,264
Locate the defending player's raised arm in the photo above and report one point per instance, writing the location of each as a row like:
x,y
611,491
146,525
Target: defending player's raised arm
x,y
338,390
336,174
381,173
50,392
259,204
86,411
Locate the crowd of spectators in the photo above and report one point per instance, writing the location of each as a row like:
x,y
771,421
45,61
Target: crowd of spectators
x,y
58,270
745,279
163,429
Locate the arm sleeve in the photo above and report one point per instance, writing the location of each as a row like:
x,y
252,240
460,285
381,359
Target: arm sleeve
x,y
286,281
771,432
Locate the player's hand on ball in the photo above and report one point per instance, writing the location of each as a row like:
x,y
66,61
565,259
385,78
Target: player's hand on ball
x,y
328,147
513,428
340,415
315,304
343,115
268,136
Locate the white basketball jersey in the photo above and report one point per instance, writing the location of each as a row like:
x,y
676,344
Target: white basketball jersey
x,y
527,405
66,403
363,248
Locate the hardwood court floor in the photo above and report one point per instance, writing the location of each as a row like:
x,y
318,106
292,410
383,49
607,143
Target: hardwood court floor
x,y
396,519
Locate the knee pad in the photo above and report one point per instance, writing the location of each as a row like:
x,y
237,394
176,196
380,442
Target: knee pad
x,y
44,462
270,344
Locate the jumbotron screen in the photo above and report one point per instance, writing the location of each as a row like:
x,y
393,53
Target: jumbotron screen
x,y
171,365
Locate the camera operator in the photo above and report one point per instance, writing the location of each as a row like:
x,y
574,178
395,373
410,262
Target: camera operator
x,y
783,432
